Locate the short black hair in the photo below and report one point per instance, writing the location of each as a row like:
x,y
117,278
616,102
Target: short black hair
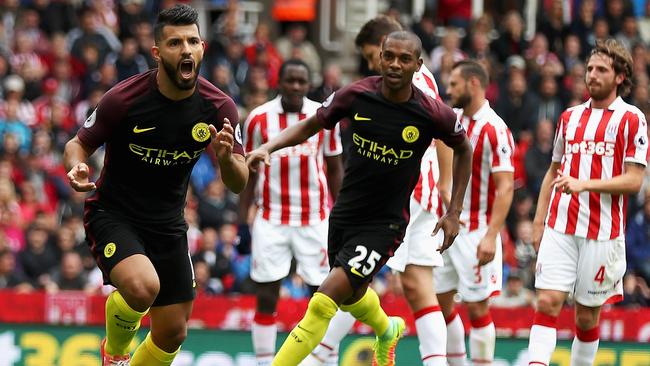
x,y
180,14
406,36
375,29
294,62
469,68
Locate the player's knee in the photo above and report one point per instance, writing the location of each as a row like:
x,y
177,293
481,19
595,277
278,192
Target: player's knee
x,y
140,293
172,335
586,320
477,310
548,304
322,306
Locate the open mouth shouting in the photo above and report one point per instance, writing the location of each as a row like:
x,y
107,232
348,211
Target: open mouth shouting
x,y
186,68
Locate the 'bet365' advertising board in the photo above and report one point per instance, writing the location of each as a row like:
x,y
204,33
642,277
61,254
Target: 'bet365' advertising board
x,y
44,345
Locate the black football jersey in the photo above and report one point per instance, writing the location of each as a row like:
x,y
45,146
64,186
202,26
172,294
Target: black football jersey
x,y
152,143
387,143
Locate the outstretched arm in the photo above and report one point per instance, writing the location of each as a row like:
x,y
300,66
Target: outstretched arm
x,y
291,136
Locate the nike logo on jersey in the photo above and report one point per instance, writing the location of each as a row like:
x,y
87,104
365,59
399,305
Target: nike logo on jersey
x,y
357,117
141,130
355,272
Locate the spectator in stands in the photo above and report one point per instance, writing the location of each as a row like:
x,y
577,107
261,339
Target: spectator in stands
x,y
635,292
222,79
519,106
39,257
205,284
14,89
550,105
12,277
294,44
55,16
68,275
216,206
615,13
12,124
572,51
629,33
130,12
332,81
425,28
127,60
637,239
262,53
514,294
28,64
92,32
10,218
233,57
450,45
539,154
552,24
525,253
511,40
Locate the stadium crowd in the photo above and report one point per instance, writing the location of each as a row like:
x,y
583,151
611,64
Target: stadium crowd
x,y
58,57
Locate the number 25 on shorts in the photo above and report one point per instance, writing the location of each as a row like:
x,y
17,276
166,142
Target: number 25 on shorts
x,y
363,270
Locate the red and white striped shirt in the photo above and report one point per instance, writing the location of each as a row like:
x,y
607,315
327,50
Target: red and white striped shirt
x,y
293,189
426,191
493,148
593,143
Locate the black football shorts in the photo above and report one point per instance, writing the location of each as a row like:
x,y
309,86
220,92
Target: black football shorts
x,y
112,238
361,251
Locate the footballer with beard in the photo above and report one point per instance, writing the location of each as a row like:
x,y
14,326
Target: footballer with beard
x,y
154,126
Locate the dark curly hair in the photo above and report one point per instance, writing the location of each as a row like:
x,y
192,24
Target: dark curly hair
x,y
375,29
180,14
621,62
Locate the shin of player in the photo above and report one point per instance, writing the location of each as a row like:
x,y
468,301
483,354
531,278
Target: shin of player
x,y
599,157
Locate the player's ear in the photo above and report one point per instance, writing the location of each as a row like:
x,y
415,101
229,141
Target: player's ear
x,y
420,62
155,52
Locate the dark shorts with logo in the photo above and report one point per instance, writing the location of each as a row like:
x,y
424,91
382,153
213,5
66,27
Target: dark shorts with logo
x,y
112,239
361,251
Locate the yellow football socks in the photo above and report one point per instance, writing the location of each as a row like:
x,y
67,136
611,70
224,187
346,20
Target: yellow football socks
x,y
369,311
148,354
308,333
122,322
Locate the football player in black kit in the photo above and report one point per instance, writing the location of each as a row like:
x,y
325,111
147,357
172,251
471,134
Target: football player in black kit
x,y
392,124
154,126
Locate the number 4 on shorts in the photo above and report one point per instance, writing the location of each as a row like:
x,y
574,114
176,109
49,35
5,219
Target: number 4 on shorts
x,y
600,275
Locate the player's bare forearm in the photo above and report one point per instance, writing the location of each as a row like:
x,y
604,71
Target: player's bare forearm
x,y
626,183
294,135
504,188
246,198
462,168
75,152
334,174
445,158
234,172
545,193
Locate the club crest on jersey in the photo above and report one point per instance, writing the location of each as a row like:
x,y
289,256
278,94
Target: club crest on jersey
x,y
200,132
109,250
410,134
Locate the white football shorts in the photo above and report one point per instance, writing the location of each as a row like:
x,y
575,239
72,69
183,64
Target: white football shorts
x,y
418,247
590,269
460,270
273,246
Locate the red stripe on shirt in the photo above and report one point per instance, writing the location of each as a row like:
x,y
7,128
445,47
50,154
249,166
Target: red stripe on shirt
x,y
596,173
266,188
574,204
475,198
285,198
